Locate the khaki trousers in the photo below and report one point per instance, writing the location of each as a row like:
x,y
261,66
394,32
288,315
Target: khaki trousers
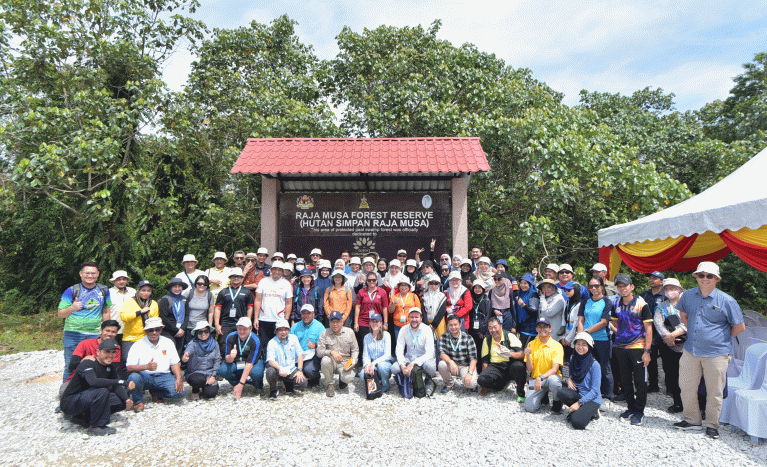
x,y
328,367
714,371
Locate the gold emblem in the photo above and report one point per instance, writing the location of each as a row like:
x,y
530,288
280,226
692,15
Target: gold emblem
x,y
364,203
305,202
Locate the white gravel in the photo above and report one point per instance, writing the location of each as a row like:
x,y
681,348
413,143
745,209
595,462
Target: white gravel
x,y
454,429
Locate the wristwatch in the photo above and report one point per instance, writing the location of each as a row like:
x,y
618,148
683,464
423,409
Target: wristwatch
x,y
646,350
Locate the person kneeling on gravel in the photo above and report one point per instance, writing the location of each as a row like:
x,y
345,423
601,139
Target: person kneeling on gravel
x,y
284,360
502,360
202,359
241,358
150,363
94,393
338,351
583,392
543,356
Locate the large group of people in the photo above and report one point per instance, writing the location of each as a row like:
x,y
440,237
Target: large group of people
x,y
298,324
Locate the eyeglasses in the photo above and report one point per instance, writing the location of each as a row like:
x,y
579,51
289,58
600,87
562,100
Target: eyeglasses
x,y
594,286
565,272
498,279
372,280
401,256
239,257
705,276
203,331
251,260
200,284
154,330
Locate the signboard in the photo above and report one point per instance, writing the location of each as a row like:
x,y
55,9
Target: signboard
x,y
364,223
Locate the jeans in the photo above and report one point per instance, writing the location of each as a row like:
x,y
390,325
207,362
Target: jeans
x,y
384,371
229,372
551,385
164,385
71,339
602,350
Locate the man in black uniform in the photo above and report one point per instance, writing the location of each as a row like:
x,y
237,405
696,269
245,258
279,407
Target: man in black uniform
x,y
233,302
95,392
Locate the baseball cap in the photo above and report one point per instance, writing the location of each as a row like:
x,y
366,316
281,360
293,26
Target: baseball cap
x,y
108,344
244,321
401,252
278,265
454,275
623,278
375,317
478,282
335,315
152,323
235,272
283,323
543,321
657,274
599,267
307,307
415,309
569,285
552,266
143,283
316,251
565,267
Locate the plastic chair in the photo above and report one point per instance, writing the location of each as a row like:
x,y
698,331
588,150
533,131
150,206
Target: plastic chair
x,y
751,410
749,379
748,337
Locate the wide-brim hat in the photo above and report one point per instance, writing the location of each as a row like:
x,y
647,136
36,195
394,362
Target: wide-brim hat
x,y
200,326
262,251
177,281
584,336
395,262
565,267
550,282
554,267
478,282
219,255
454,275
405,281
118,274
337,272
152,323
188,258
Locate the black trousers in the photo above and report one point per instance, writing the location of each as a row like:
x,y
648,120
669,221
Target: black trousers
x,y
633,380
652,368
670,361
497,375
95,405
198,381
226,329
474,333
360,335
602,351
273,375
265,334
581,417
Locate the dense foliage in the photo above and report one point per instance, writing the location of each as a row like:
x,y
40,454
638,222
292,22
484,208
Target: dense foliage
x,y
98,160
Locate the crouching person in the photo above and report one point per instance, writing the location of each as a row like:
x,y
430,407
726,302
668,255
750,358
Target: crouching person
x,y
202,358
458,356
284,360
94,393
338,350
544,356
241,358
153,364
582,394
415,347
501,360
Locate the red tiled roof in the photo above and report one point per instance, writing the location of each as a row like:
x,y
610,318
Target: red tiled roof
x,y
344,156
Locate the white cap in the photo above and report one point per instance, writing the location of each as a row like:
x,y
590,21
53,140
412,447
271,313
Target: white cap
x,y
395,262
316,251
220,254
283,323
118,274
672,281
337,272
485,259
585,337
262,251
369,259
189,258
287,266
405,280
401,252
355,260
467,261
599,267
278,265
411,262
709,267
235,272
277,254
478,282
307,307
414,309
565,267
454,275
244,321
291,256
152,323
552,266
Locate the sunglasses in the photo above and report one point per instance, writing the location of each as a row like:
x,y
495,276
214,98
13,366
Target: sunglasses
x,y
203,331
251,260
705,276
200,283
498,279
594,286
239,257
372,280
446,270
154,330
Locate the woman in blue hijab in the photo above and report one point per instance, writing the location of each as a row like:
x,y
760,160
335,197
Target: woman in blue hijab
x,y
527,309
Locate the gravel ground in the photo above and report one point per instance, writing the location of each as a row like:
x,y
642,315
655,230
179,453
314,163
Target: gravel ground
x,y
454,429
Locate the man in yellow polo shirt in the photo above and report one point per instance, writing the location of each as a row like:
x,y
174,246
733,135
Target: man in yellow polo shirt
x,y
543,357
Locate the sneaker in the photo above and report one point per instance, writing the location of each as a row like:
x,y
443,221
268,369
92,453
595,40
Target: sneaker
x,y
445,389
619,398
556,407
483,392
596,416
627,414
676,408
273,394
637,419
342,385
331,390
195,396
521,399
684,425
712,433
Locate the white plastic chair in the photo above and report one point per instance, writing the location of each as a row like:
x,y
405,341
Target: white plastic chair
x,y
739,412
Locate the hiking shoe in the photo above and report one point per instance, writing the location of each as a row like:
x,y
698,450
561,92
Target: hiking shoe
x,y
273,394
652,389
637,419
101,431
712,433
676,408
627,414
331,390
445,389
342,385
556,407
483,392
520,399
619,398
684,425
596,416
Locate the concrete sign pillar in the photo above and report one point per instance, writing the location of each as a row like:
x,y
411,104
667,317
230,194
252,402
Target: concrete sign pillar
x,y
270,189
460,191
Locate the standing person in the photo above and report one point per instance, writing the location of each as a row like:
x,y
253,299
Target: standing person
x,y
457,356
481,311
239,259
459,301
284,361
401,304
501,296
242,358
434,304
134,313
402,256
307,294
346,258
339,297
232,304
308,330
467,276
252,274
485,272
582,394
190,272
372,299
262,254
554,308
653,297
712,319
200,305
174,314
382,267
153,364
368,266
203,360
632,319
544,357
502,361
315,256
475,254
356,275
83,306
600,270
274,301
550,271
119,293
444,274
527,305
455,263
337,350
393,277
218,275
670,327
593,319
96,392
376,352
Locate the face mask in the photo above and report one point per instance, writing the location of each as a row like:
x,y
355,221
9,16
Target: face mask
x,y
671,294
299,267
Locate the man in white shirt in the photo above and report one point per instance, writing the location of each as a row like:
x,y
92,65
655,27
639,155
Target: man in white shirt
x,y
150,363
274,300
284,360
119,293
418,338
190,272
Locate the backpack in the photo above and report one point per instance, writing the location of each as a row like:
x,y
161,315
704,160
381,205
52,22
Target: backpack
x,y
404,384
419,385
76,290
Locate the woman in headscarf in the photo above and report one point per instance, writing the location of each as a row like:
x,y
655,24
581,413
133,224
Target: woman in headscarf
x,y
582,394
554,307
455,265
527,309
340,297
202,358
434,304
573,293
399,307
411,271
459,300
501,295
392,279
665,317
480,312
381,267
444,273
173,313
322,279
135,311
467,277
485,272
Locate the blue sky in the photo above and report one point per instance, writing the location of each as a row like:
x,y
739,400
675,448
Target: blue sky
x,y
690,48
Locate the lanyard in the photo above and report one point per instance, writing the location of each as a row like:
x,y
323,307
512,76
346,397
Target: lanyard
x,y
457,343
234,295
284,354
372,297
242,348
414,339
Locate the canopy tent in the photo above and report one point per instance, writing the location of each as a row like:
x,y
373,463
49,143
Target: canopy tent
x,y
730,216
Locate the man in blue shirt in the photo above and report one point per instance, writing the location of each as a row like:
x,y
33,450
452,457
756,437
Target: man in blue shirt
x,y
712,318
308,332
284,360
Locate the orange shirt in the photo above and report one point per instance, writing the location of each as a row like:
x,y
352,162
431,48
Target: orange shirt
x,y
339,300
402,307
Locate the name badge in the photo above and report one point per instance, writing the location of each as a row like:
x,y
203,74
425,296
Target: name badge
x,y
402,318
240,365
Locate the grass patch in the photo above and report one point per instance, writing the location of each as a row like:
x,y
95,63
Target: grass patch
x,y
27,333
